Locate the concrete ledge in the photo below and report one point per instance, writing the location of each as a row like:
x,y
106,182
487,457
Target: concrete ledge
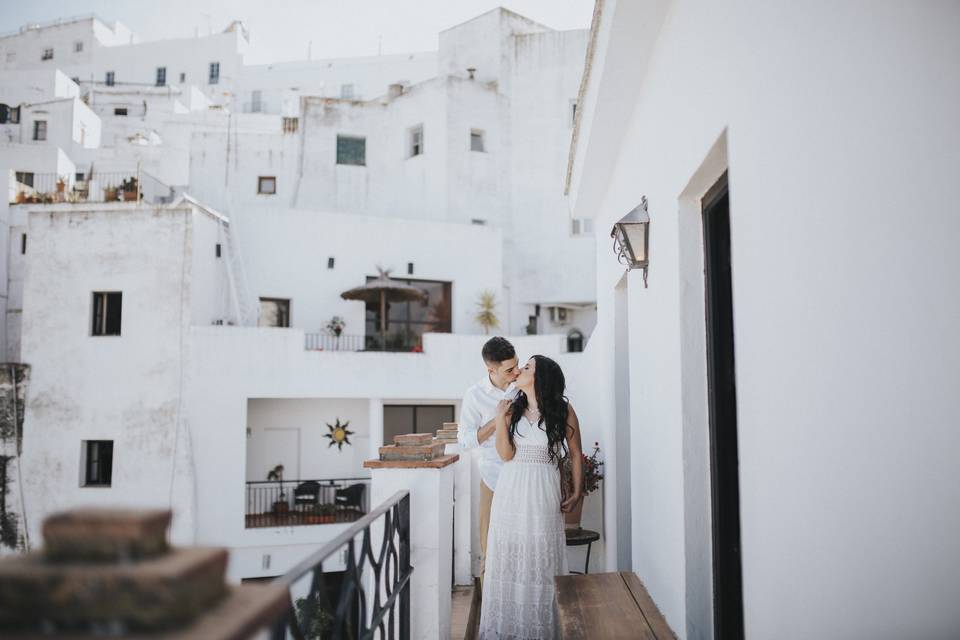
x,y
436,463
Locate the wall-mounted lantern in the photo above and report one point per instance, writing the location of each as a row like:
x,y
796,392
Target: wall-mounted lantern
x,y
631,239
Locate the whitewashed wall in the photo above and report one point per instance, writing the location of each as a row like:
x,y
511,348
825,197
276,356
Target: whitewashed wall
x,y
847,354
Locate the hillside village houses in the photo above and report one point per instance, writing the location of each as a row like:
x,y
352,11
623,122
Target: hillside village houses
x,y
179,228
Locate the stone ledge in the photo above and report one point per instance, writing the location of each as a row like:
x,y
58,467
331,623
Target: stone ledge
x,y
106,535
436,463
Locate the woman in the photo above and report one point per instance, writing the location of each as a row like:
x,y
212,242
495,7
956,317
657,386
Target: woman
x,y
526,546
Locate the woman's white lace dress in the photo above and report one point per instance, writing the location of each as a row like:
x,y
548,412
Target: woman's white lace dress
x,y
526,546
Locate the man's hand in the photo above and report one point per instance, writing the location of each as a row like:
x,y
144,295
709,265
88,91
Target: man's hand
x,y
567,505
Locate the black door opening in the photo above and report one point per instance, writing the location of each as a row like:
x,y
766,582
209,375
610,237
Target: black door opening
x,y
722,404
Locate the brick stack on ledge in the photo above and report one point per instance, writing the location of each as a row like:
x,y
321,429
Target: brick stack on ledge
x,y
111,572
412,451
448,433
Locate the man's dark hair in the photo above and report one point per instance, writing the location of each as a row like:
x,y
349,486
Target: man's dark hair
x,y
498,349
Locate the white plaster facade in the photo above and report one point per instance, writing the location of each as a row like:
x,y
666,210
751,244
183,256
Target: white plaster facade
x,y
847,355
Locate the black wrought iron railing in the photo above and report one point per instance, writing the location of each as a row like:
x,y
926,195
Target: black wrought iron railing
x,y
291,503
330,342
401,343
371,598
51,188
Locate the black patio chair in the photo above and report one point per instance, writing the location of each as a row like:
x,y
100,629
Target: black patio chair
x,y
307,493
351,496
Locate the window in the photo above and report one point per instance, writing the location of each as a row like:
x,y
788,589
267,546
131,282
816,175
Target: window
x,y
120,111
111,78
267,185
78,46
331,262
478,221
25,178
214,77
9,114
581,226
573,112
218,250
183,77
346,92
290,125
407,418
97,463
416,141
274,312
476,140
106,313
409,268
39,129
79,177
161,76
47,54
256,101
408,321
352,150
23,243
575,341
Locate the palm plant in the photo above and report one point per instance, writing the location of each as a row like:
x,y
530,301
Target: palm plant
x,y
487,311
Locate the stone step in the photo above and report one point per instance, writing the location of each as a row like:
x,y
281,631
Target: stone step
x,y
153,594
421,452
106,535
413,439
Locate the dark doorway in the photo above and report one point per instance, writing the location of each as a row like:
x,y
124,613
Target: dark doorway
x,y
722,405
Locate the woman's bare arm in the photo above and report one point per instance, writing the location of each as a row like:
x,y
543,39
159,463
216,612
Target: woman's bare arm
x,y
504,448
575,449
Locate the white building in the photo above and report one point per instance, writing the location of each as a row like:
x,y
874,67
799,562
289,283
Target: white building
x,y
821,136
113,269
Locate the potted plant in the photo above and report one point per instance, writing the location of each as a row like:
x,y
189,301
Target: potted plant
x,y
129,187
109,194
592,475
280,505
487,311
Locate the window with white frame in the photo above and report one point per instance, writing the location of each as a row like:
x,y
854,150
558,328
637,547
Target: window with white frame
x,y
78,46
161,76
214,75
107,312
352,150
274,312
415,146
267,185
47,54
256,101
290,125
39,130
346,91
476,140
111,78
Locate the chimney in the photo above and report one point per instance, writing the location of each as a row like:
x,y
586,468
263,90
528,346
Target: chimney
x,y
471,71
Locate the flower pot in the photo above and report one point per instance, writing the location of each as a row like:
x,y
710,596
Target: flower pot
x,y
280,507
571,519
129,196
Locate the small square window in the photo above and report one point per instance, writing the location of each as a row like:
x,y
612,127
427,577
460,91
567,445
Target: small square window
x,y
161,76
120,111
352,150
39,129
274,312
183,77
97,463
78,46
267,185
214,77
331,262
110,78
346,92
416,141
107,307
47,54
218,249
476,140
290,125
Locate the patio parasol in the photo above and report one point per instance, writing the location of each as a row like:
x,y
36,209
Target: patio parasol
x,y
383,290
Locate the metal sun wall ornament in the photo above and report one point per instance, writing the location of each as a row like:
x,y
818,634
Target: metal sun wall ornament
x,y
339,434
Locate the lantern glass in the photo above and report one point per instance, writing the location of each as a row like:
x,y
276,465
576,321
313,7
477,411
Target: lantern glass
x,y
636,233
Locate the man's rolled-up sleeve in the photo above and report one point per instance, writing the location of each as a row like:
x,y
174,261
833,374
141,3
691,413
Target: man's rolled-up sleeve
x,y
469,423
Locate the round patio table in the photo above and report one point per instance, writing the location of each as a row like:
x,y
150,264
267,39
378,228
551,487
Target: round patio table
x,y
579,537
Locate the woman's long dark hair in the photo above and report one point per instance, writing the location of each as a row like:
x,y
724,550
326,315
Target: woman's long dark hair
x,y
549,385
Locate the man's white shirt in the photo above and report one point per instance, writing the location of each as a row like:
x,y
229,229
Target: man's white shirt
x,y
479,407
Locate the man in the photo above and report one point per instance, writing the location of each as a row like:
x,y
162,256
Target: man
x,y
477,413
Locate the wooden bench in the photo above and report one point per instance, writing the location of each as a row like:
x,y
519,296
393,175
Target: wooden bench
x,y
603,606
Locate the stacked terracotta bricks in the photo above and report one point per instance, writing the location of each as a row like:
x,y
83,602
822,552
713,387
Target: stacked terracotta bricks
x,y
412,446
447,433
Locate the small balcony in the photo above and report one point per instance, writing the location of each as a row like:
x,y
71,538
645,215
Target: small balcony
x,y
52,188
397,342
293,503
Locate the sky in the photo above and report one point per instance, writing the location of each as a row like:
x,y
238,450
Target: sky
x,y
286,29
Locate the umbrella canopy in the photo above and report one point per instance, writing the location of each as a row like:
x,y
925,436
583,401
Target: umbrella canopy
x,y
383,290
